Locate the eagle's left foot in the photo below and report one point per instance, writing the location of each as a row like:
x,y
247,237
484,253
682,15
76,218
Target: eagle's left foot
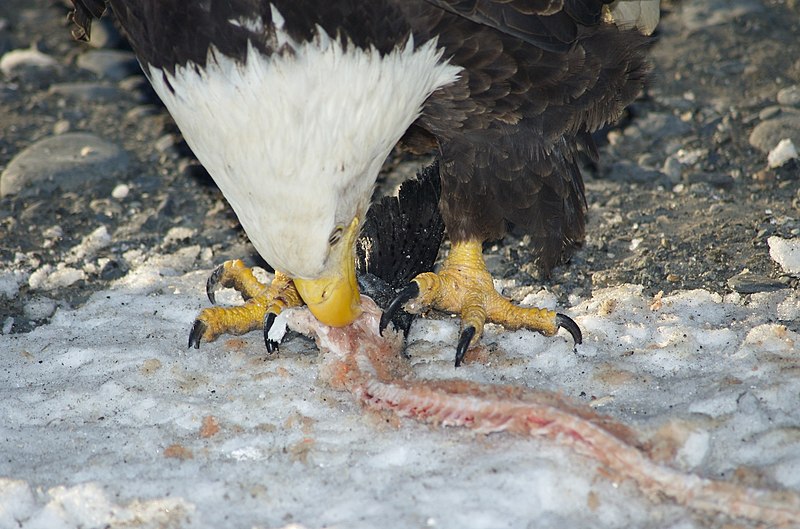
x,y
262,304
464,286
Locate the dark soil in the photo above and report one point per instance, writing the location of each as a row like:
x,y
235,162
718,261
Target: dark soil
x,y
700,224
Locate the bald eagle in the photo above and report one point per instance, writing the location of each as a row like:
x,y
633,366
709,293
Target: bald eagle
x,y
293,105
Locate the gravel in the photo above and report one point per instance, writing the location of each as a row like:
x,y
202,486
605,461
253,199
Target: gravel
x,y
683,196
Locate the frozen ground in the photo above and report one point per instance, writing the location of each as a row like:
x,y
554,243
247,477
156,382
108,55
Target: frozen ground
x,y
108,420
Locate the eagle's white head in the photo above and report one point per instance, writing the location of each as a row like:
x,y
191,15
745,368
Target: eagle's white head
x,y
295,141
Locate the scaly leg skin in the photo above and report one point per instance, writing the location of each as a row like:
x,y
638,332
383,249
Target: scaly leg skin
x,y
262,304
464,286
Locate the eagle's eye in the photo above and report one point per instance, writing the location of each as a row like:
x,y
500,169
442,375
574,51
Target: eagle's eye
x,y
336,236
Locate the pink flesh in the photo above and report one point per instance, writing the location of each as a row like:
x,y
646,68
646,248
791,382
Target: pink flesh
x,y
357,359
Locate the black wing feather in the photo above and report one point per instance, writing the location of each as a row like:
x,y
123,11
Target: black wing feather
x,y
537,78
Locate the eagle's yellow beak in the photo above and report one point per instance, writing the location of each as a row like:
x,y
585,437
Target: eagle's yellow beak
x,y
334,298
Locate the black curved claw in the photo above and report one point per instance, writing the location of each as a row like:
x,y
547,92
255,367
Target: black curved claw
x,y
565,322
463,344
272,345
409,292
212,284
198,329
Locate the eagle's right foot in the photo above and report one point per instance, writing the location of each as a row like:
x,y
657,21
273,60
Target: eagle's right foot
x,y
464,286
262,304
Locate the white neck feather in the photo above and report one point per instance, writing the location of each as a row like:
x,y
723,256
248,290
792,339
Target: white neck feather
x,y
295,140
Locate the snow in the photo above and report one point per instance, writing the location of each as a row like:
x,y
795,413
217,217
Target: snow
x,y
108,420
785,252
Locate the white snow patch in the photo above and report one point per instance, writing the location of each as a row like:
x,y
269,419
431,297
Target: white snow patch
x,y
785,252
49,277
89,246
91,401
39,307
178,234
10,280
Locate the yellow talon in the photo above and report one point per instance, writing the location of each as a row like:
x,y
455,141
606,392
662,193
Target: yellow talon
x,y
464,286
261,301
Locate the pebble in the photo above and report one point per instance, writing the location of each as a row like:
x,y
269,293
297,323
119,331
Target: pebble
x,y
769,112
70,161
111,64
140,112
789,96
53,232
121,191
782,153
716,179
89,92
165,143
767,134
27,57
135,83
61,126
647,161
672,169
750,283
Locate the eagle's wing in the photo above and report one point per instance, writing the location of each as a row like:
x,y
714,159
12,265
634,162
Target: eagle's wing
x,y
513,17
522,19
533,88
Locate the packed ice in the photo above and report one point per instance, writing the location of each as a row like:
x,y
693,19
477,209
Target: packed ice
x,y
108,420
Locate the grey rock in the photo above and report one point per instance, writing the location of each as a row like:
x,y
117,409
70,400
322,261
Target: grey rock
x,y
142,111
625,171
749,283
721,180
648,161
89,92
768,133
673,169
769,112
70,161
165,143
701,15
659,125
25,58
789,96
111,64
61,126
138,89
